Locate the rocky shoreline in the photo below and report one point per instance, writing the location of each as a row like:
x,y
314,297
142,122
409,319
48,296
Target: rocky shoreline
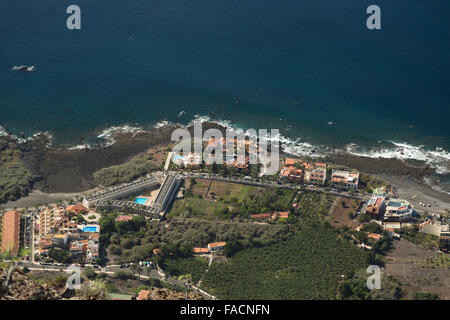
x,y
70,170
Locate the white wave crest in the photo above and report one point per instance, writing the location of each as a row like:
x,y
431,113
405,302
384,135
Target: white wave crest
x,y
439,159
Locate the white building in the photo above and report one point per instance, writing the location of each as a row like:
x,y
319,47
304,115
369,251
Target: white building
x,y
345,179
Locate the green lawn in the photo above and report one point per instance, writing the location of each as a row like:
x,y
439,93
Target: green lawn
x,y
196,207
229,191
227,200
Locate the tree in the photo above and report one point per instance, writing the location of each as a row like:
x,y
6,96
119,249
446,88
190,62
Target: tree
x,y
60,256
10,262
373,227
232,247
89,273
354,289
187,280
425,296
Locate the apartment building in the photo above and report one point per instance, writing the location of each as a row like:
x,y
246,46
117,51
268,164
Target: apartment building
x,y
315,173
398,210
344,179
11,232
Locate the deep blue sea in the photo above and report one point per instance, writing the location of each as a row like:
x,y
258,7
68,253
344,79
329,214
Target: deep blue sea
x,y
308,67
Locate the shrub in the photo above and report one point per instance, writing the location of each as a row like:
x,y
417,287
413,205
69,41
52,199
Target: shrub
x,y
89,273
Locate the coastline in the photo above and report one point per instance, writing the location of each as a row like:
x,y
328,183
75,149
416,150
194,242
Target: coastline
x,y
67,172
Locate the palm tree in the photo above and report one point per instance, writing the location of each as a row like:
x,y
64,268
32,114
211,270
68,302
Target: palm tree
x,y
187,280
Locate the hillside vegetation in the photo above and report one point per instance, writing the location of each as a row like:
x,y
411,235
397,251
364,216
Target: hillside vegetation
x,y
126,172
229,200
308,265
15,178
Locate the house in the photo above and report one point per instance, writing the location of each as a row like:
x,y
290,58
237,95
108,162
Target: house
x,y
193,160
437,229
274,215
46,242
11,232
77,248
60,240
398,210
261,216
291,171
374,236
280,215
123,218
216,246
315,173
198,250
375,207
288,162
344,179
444,236
93,247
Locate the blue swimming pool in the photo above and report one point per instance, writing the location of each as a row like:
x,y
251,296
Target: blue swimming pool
x,y
90,229
140,200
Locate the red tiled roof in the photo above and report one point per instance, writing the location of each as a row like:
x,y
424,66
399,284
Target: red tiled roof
x,y
201,250
217,244
375,236
283,215
289,162
124,218
260,216
11,230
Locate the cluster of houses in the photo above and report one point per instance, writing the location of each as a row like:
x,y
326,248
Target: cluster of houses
x,y
395,214
228,147
316,174
390,209
58,229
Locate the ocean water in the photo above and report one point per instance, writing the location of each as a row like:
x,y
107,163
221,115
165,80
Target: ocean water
x,y
309,68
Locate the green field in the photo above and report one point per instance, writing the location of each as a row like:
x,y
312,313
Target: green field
x,y
314,202
196,207
228,200
233,191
